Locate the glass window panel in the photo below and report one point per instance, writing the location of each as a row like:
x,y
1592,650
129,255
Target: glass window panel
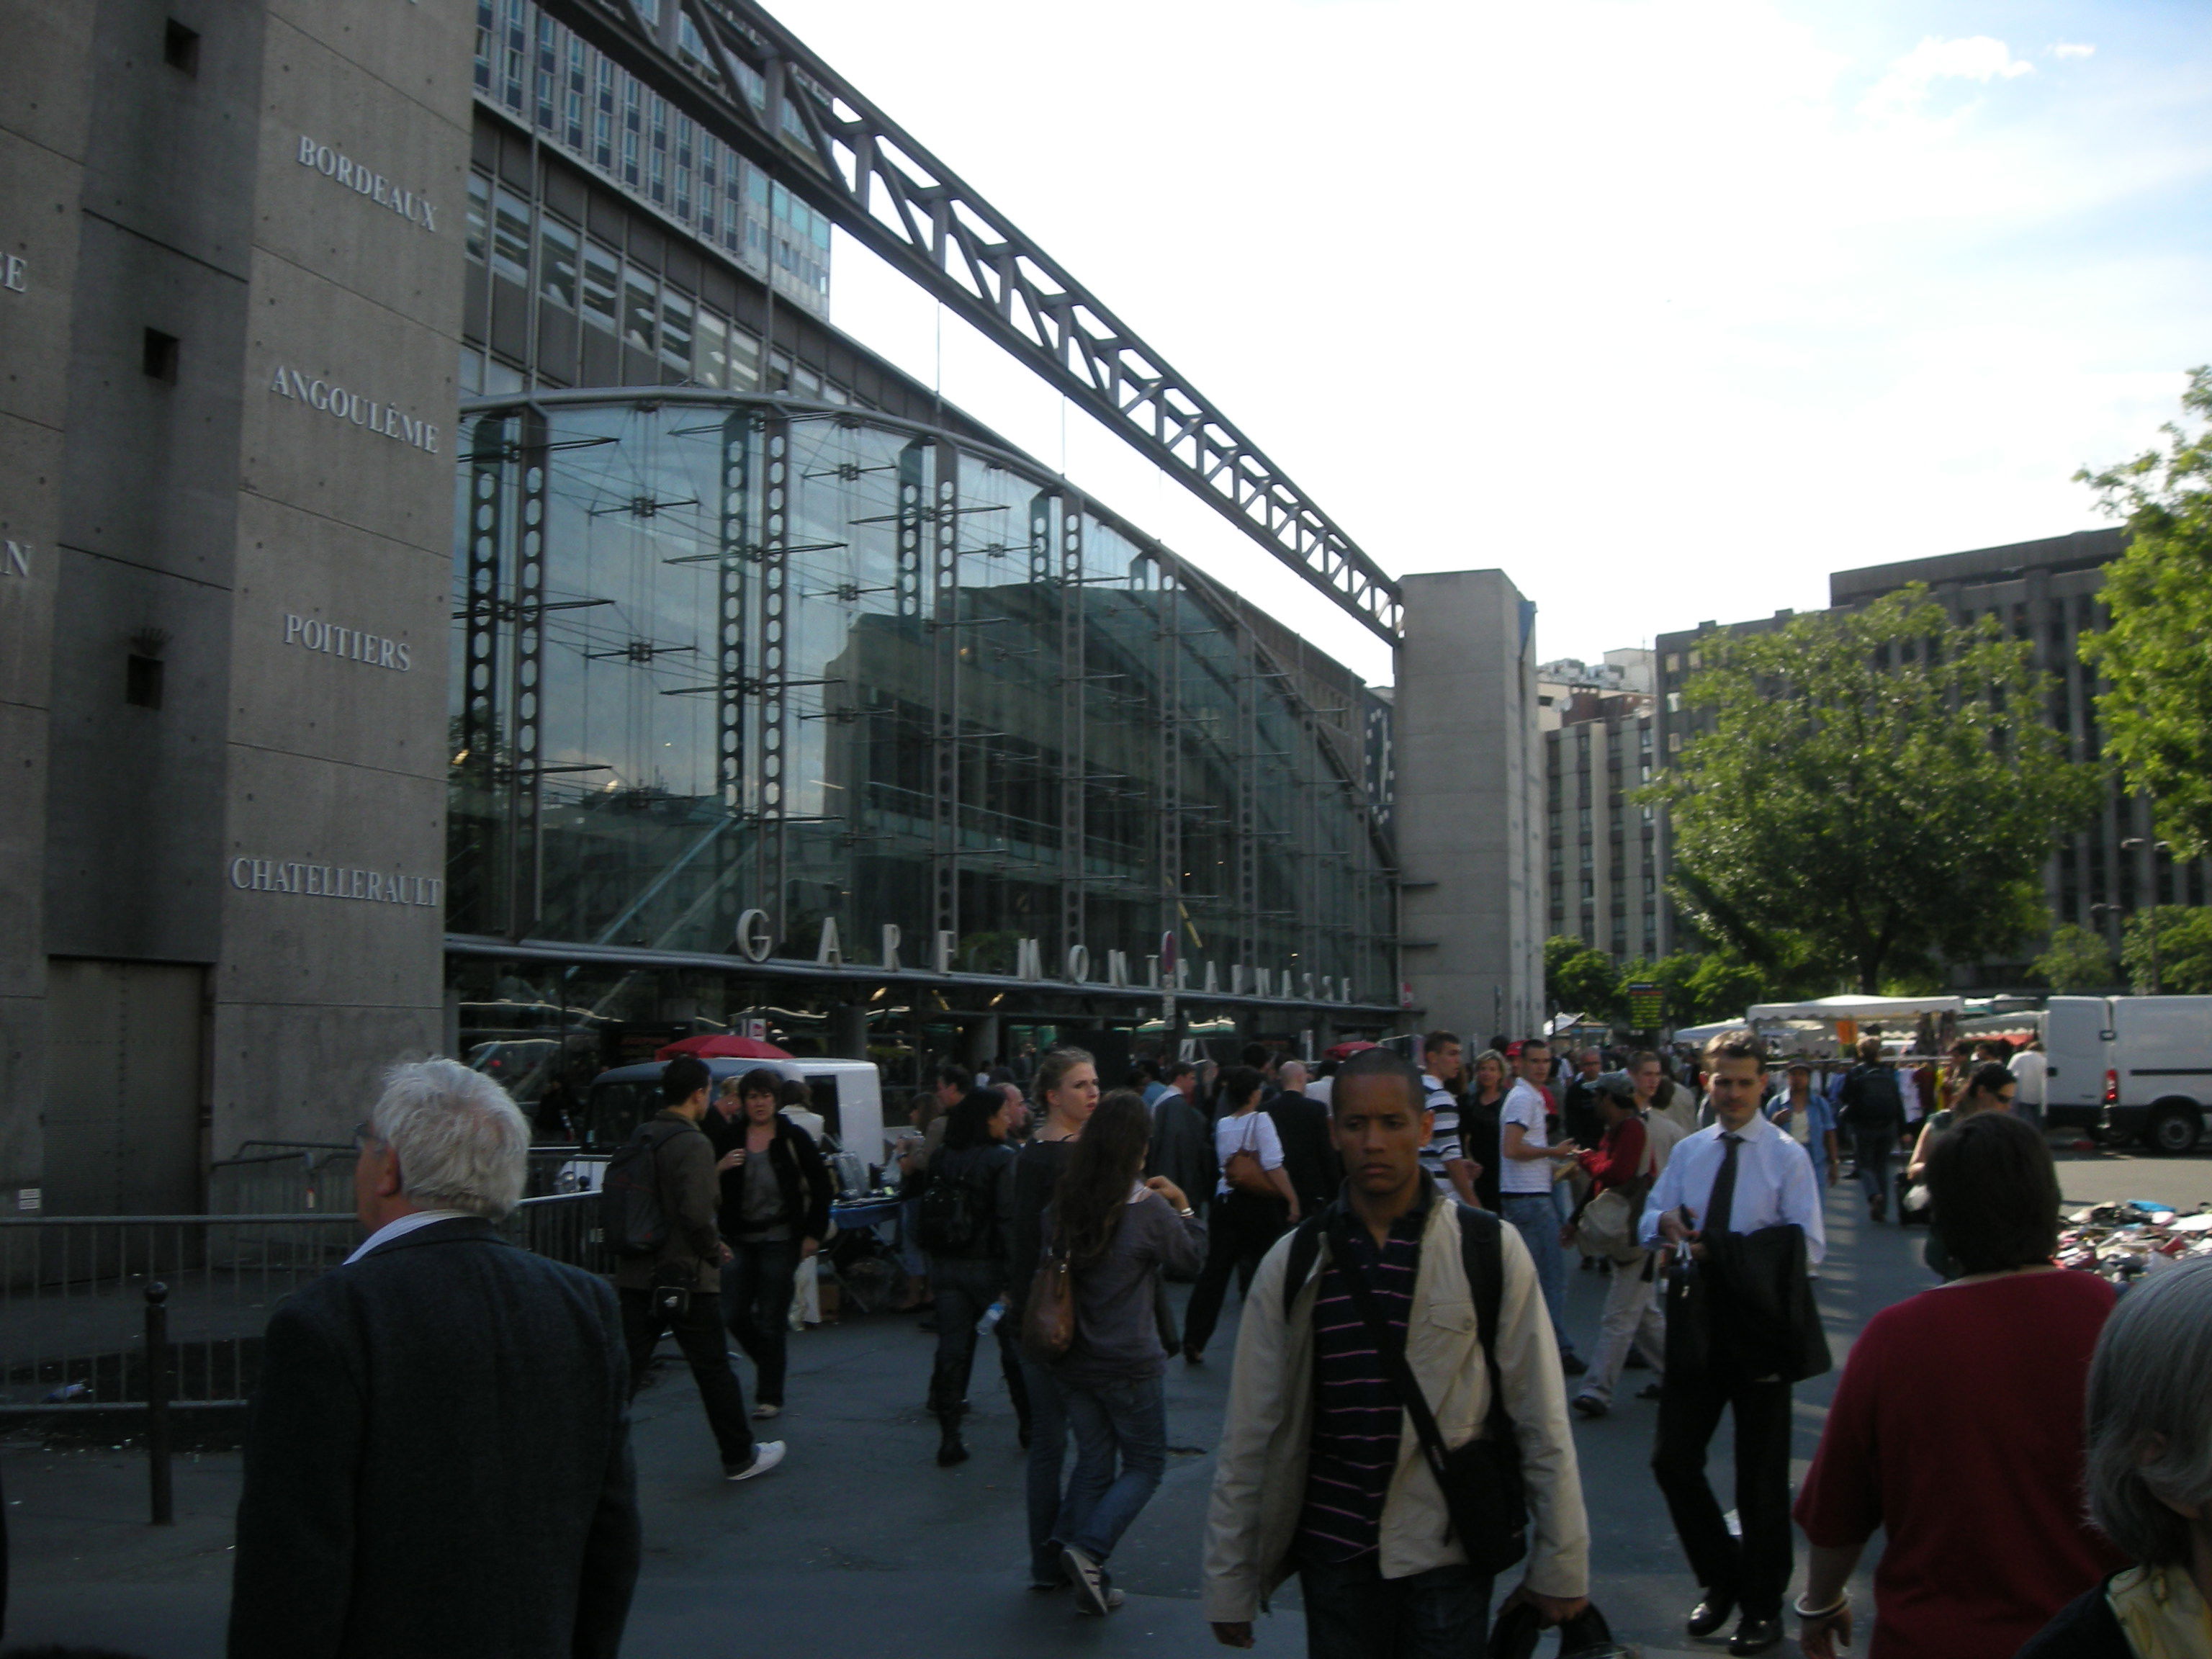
x,y
510,237
479,215
710,359
602,280
640,306
556,262
675,330
744,360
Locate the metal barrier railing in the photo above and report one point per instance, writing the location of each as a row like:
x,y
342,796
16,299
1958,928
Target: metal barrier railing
x,y
72,1302
279,1178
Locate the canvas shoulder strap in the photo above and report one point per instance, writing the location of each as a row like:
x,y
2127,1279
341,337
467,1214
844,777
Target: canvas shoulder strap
x,y
1305,1250
1482,1253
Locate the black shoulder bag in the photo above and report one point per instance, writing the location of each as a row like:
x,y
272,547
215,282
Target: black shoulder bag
x,y
1483,1489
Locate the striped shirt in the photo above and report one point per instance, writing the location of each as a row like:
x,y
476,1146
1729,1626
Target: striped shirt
x,y
1357,1414
1444,1145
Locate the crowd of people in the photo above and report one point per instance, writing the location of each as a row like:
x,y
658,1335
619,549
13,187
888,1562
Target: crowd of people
x,y
1400,1406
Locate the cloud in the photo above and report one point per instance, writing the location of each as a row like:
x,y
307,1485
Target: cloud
x,y
2073,49
1977,58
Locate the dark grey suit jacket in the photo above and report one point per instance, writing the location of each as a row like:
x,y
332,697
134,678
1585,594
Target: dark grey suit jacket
x,y
439,1461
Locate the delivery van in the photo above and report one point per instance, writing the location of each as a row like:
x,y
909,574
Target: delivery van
x,y
2130,1067
848,1093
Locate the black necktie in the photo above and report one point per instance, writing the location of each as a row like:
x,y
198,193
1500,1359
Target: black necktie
x,y
1720,1208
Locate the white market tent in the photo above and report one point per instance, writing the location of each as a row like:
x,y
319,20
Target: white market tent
x,y
1855,1008
1699,1035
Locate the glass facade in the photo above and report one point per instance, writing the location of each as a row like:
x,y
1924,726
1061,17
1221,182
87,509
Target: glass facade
x,y
577,98
810,705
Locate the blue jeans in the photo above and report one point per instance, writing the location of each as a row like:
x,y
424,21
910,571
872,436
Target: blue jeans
x,y
1047,1452
1352,1611
1536,1218
1127,1418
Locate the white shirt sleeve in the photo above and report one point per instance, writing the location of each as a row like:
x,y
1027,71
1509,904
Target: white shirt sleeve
x,y
1266,1142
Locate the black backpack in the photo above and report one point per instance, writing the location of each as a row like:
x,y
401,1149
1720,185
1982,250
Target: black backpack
x,y
1875,1102
632,1218
957,1211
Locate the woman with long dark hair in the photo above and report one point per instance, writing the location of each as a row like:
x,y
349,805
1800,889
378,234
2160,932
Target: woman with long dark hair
x,y
774,1210
1253,1202
1067,1090
967,1212
1120,1231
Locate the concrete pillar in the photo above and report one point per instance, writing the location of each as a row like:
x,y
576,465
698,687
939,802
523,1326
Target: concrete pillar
x,y
847,1036
1469,810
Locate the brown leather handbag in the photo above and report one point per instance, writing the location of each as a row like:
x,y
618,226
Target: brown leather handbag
x,y
1049,1315
1244,1171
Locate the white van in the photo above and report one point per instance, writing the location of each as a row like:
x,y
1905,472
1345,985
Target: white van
x,y
2131,1066
848,1093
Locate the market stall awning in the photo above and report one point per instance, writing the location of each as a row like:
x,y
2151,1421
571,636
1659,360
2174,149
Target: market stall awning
x,y
1855,1008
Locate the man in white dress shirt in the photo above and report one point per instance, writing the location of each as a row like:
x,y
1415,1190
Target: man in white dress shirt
x,y
1739,1175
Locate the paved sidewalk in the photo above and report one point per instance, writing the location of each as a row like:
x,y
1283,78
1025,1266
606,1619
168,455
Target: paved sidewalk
x,y
860,1547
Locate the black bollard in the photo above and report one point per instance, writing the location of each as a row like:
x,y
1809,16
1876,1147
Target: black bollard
x,y
157,1403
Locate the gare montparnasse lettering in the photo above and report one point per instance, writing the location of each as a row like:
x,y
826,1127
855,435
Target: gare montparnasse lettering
x,y
252,875
755,938
336,165
384,419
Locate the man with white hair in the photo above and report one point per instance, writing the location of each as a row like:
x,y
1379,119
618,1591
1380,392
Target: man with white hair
x,y
439,1456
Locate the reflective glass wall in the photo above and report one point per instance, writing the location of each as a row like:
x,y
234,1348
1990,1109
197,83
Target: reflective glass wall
x,y
729,669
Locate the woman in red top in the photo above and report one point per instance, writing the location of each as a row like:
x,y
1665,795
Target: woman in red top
x,y
1980,1496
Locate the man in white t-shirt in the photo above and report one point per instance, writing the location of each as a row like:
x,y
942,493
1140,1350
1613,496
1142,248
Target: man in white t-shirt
x,y
2031,1069
1528,1165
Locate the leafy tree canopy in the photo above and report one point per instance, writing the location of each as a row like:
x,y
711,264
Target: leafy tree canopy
x,y
1878,794
2077,960
2183,955
2157,715
1579,978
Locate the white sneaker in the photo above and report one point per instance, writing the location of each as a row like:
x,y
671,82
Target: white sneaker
x,y
768,1408
1088,1578
767,1454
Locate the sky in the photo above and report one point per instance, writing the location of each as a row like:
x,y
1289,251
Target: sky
x,y
1668,308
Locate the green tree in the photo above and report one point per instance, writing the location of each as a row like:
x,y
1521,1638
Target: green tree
x,y
2183,955
1721,989
2075,960
1579,978
2157,715
1877,796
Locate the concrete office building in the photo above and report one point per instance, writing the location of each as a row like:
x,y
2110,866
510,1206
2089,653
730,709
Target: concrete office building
x,y
2044,592
1601,847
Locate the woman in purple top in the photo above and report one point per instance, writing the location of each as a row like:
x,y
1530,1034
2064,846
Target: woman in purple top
x,y
1120,1231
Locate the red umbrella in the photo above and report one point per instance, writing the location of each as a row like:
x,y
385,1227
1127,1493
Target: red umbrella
x,y
717,1046
1346,1050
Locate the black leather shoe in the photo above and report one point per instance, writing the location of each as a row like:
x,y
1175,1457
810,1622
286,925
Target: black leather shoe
x,y
1756,1635
1709,1614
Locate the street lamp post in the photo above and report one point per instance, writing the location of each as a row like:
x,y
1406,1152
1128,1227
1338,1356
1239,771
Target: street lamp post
x,y
2132,844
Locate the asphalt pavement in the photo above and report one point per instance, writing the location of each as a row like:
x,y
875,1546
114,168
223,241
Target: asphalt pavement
x,y
859,1548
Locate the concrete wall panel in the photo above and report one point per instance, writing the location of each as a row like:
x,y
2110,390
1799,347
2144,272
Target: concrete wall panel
x,y
322,823
425,49
360,184
47,46
38,263
304,1071
134,806
152,472
366,467
30,517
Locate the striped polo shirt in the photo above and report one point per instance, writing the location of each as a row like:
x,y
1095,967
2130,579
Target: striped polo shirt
x,y
1444,1145
1357,1413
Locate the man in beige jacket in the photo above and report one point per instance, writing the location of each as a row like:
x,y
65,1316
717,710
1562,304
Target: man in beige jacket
x,y
1320,1471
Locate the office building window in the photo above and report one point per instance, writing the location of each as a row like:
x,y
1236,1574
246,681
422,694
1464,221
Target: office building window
x,y
556,262
510,237
602,285
640,306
